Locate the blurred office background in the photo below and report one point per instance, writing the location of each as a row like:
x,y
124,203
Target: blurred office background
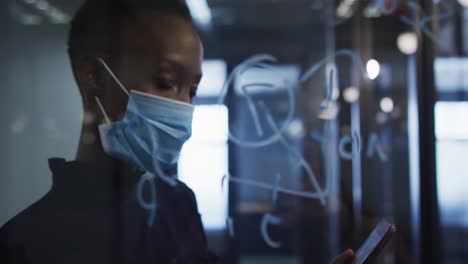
x,y
388,139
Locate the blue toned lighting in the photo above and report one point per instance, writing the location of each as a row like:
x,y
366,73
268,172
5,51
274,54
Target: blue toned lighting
x,y
451,74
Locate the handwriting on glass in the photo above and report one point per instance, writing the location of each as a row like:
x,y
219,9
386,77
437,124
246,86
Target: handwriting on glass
x,y
256,109
419,19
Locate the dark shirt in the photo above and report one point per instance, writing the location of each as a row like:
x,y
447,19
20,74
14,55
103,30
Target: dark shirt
x,y
91,215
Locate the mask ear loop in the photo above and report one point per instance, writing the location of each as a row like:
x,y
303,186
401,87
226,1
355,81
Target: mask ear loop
x,y
113,76
102,110
111,73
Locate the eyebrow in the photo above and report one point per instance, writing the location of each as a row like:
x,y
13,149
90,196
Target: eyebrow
x,y
180,68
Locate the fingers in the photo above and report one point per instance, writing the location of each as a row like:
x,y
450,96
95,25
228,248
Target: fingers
x,y
346,257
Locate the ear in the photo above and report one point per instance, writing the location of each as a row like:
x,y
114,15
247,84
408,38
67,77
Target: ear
x,y
89,77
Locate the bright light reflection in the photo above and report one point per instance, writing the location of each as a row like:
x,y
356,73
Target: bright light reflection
x,y
373,69
451,125
200,11
451,120
204,162
214,76
407,43
386,104
351,94
463,2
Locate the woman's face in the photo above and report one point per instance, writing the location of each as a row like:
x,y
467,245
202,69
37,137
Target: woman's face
x,y
161,55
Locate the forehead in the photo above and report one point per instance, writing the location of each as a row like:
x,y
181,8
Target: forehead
x,y
155,36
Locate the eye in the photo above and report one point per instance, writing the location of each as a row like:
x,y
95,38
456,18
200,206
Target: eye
x,y
164,83
193,91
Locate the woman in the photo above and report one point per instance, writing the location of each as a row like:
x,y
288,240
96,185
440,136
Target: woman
x,y
137,64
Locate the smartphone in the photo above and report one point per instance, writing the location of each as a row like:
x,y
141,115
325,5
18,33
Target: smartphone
x,y
376,241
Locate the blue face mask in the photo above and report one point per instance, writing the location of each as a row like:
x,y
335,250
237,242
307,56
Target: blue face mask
x,y
152,132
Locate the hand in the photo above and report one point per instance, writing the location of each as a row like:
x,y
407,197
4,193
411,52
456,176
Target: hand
x,y
347,257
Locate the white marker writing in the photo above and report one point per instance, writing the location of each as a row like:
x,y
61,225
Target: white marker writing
x,y
373,146
269,219
150,205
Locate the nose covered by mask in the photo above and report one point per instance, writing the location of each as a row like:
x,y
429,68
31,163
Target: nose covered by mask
x,y
152,132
